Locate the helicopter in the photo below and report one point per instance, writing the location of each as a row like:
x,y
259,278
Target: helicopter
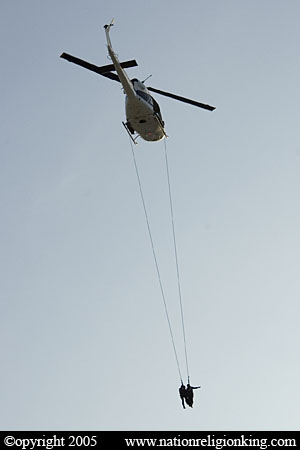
x,y
143,115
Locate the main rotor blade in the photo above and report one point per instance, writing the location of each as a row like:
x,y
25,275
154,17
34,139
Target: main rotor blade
x,y
98,69
182,99
112,76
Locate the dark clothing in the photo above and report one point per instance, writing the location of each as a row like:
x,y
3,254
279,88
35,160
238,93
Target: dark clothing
x,y
182,393
189,394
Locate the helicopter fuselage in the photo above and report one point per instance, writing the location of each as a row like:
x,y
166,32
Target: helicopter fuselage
x,y
143,113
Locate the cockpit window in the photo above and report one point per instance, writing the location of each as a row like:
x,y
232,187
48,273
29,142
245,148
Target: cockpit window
x,y
152,102
156,107
145,96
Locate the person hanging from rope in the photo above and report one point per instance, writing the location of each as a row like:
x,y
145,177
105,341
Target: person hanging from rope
x,y
189,394
182,393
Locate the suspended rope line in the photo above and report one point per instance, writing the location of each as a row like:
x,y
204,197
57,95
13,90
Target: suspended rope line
x,y
155,260
176,260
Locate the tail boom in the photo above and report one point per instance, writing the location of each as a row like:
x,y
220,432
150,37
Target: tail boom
x,y
123,77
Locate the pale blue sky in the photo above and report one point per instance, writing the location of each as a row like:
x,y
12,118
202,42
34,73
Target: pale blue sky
x,y
84,340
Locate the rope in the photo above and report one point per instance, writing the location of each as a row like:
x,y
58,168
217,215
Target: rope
x,y
155,260
176,260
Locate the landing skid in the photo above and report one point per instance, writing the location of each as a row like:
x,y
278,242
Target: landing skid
x,y
130,134
161,124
